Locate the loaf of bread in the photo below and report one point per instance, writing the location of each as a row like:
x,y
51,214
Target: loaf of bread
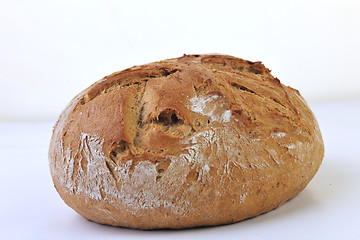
x,y
193,141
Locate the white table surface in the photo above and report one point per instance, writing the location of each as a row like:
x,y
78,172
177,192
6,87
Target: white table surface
x,y
329,208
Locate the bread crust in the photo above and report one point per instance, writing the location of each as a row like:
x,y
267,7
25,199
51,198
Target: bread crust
x,y
193,141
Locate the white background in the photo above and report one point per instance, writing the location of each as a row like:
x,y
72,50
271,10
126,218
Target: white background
x,y
51,50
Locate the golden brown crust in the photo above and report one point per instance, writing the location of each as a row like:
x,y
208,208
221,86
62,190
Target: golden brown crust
x,y
192,141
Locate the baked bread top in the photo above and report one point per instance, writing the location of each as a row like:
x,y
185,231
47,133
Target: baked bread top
x,y
191,141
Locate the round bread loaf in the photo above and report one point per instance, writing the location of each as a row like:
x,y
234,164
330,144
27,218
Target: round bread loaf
x,y
193,141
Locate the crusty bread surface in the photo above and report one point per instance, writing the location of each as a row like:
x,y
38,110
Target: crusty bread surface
x,y
193,141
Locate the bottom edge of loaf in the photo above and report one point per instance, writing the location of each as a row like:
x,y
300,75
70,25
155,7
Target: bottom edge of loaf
x,y
184,225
